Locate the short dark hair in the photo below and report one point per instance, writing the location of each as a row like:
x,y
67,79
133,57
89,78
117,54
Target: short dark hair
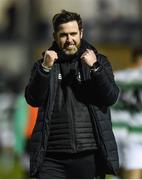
x,y
65,17
137,52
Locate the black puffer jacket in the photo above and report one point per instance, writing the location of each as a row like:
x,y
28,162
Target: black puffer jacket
x,y
41,91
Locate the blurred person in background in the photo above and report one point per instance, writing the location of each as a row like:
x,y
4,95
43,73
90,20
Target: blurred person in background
x,y
20,118
24,118
73,86
127,118
7,99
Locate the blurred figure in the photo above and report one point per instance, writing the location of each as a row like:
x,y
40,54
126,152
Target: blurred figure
x,y
7,99
73,86
8,19
127,118
20,117
12,16
24,118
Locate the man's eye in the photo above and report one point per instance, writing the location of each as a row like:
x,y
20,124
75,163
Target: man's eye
x,y
62,35
73,34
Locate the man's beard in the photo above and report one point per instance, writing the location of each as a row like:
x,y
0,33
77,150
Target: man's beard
x,y
70,49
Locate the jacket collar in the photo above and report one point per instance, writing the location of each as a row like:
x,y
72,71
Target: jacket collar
x,y
63,57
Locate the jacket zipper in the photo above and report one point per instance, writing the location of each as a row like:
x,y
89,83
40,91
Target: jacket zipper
x,y
73,134
72,129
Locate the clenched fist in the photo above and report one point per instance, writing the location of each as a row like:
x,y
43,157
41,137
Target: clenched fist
x,y
89,57
50,57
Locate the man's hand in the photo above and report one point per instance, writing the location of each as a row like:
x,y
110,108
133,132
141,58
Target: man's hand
x,y
49,58
89,57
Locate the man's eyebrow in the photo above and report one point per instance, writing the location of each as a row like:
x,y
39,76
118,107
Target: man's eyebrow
x,y
64,33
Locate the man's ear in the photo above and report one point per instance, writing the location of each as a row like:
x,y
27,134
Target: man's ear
x,y
81,33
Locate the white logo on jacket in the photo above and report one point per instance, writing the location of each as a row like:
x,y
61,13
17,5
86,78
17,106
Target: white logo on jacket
x,y
59,76
79,77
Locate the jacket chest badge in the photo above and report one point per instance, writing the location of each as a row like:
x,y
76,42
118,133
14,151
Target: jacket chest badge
x,y
60,76
79,77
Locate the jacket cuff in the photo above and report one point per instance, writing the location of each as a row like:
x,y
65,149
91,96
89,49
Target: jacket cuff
x,y
42,71
96,69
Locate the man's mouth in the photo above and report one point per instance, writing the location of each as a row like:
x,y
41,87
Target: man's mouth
x,y
69,46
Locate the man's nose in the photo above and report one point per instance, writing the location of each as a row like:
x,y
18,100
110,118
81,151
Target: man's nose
x,y
69,38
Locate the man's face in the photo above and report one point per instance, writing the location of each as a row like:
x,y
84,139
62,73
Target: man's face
x,y
68,37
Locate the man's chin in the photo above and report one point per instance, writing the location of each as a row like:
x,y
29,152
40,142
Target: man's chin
x,y
70,52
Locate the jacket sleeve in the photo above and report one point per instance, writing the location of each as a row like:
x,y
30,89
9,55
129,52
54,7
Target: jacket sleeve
x,y
103,79
37,87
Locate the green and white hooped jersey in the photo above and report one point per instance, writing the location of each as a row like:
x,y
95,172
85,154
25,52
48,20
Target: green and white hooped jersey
x,y
127,112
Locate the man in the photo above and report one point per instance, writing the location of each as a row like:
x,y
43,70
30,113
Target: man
x,y
73,86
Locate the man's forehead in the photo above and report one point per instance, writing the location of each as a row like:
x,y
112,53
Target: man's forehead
x,y
69,26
